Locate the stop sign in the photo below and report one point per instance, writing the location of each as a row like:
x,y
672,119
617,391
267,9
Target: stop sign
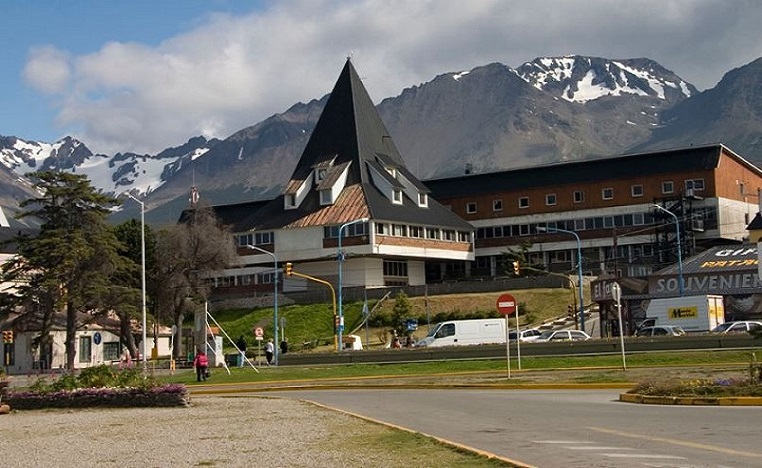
x,y
506,304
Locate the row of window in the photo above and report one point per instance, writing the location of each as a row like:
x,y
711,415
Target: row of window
x,y
586,224
258,238
422,232
361,229
625,253
607,193
110,349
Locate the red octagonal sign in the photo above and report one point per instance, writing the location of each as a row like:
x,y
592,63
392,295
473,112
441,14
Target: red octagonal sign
x,y
506,304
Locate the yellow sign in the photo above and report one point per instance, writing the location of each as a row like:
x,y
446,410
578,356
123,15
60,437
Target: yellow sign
x,y
682,312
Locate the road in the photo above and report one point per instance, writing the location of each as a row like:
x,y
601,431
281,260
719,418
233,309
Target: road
x,y
555,428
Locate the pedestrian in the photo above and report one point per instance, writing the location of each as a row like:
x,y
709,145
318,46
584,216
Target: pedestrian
x,y
241,344
269,351
284,346
201,363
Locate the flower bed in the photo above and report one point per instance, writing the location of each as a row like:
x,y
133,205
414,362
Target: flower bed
x,y
700,388
99,386
159,396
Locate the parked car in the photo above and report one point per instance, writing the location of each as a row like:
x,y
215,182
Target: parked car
x,y
737,327
660,330
530,334
562,335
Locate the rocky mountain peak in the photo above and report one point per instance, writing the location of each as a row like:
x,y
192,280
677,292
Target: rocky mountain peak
x,y
581,79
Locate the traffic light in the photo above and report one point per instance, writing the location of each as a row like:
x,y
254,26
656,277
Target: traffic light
x,y
516,267
288,269
7,336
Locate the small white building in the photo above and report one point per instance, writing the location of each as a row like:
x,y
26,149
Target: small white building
x,y
97,343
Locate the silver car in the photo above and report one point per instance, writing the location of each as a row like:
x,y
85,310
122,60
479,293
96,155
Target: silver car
x,y
562,335
530,334
737,327
660,330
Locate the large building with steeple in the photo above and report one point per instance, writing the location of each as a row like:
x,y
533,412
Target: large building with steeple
x,y
352,175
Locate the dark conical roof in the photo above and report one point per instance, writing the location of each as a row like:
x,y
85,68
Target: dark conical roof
x,y
349,129
351,136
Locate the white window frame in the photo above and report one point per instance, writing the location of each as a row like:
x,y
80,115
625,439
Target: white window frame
x,y
579,196
550,199
605,190
523,203
397,196
636,190
497,205
667,187
470,207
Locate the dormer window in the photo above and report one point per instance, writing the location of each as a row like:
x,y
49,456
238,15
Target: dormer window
x,y
320,174
397,197
423,200
391,171
326,197
290,200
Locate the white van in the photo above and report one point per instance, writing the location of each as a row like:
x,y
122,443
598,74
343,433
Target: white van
x,y
465,332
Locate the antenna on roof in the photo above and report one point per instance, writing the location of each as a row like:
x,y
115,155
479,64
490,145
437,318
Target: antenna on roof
x,y
193,191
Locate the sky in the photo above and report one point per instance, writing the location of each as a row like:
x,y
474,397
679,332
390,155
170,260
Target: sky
x,y
145,75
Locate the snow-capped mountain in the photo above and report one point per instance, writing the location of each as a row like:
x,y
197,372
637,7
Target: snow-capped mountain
x,y
583,79
491,117
138,174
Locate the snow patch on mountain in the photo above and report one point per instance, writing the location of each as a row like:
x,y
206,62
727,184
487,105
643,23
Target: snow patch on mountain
x,y
583,79
138,174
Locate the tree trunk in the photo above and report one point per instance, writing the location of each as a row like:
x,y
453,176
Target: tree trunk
x,y
125,332
177,339
71,336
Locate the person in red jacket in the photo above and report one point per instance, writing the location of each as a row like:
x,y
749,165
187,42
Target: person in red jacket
x,y
201,363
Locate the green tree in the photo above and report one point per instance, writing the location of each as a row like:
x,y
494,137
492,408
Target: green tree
x,y
401,311
68,266
521,254
126,304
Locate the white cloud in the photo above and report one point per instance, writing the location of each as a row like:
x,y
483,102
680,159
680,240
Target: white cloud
x,y
231,72
47,69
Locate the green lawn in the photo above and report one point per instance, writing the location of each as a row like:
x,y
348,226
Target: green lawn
x,y
588,365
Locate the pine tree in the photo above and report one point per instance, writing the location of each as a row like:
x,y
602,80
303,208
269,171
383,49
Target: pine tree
x,y
68,266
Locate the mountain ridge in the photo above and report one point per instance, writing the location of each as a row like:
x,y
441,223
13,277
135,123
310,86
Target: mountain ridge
x,y
492,117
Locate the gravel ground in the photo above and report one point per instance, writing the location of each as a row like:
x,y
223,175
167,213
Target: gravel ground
x,y
213,431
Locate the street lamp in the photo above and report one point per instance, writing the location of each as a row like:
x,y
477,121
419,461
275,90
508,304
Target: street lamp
x,y
275,296
579,269
340,258
143,273
680,281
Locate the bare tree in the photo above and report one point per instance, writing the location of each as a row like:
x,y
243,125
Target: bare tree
x,y
187,254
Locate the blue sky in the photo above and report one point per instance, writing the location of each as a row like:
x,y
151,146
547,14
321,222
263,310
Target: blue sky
x,y
144,75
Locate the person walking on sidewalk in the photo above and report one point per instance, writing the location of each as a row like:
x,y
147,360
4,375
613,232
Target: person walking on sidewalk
x,y
269,351
201,363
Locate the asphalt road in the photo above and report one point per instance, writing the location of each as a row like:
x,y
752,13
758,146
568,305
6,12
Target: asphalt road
x,y
565,428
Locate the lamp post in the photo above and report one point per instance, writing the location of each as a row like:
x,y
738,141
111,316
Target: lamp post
x,y
143,274
340,258
579,270
275,297
680,280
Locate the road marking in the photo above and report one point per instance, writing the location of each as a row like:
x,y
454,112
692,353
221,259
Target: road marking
x,y
642,455
559,441
682,443
599,447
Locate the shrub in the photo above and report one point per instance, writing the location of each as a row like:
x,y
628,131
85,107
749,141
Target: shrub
x,y
699,387
98,386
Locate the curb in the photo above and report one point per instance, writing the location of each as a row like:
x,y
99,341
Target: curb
x,y
689,401
217,390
